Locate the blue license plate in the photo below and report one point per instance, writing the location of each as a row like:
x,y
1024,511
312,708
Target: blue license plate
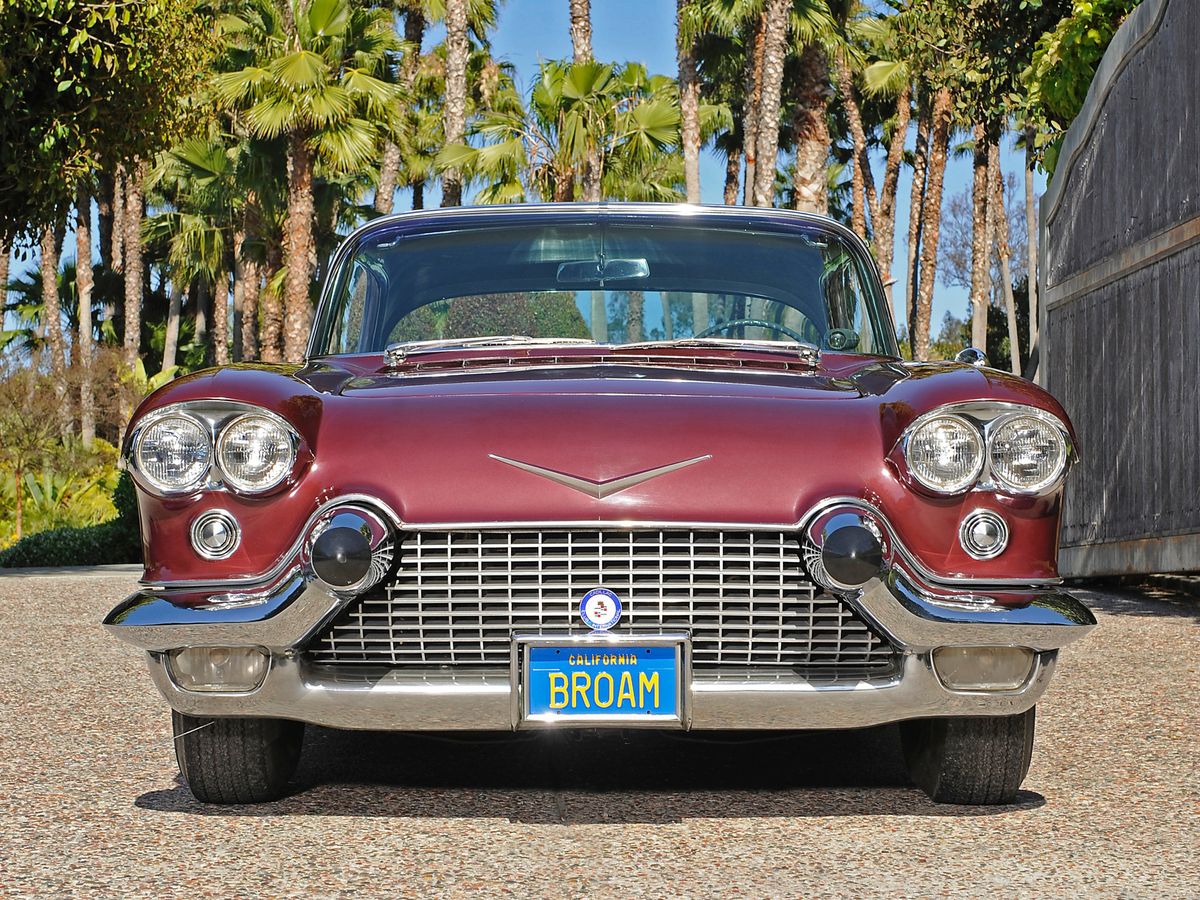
x,y
602,681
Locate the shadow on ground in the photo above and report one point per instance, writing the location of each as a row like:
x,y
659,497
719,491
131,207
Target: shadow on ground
x,y
1157,597
605,777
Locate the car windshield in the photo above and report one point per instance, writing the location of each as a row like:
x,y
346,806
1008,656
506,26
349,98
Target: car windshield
x,y
606,283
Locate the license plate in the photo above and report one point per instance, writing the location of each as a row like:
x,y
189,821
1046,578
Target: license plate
x,y
624,682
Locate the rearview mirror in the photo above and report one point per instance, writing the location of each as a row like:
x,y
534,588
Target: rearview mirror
x,y
594,271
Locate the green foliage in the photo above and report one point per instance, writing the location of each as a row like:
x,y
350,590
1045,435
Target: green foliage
x,y
84,82
1062,67
114,541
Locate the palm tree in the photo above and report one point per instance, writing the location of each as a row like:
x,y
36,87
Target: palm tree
x,y
621,117
980,237
1000,225
455,110
393,153
774,53
83,335
319,75
688,26
133,261
581,30
939,142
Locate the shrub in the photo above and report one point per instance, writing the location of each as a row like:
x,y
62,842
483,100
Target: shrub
x,y
114,541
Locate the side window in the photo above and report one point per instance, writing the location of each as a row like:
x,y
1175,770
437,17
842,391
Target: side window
x,y
362,288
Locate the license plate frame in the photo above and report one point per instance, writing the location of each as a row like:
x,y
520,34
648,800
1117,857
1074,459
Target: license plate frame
x,y
523,644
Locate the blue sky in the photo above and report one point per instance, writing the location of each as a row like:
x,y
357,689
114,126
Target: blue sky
x,y
644,31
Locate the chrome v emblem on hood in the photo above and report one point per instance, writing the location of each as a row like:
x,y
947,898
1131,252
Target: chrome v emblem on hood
x,y
599,489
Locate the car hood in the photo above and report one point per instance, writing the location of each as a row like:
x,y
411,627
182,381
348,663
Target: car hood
x,y
606,443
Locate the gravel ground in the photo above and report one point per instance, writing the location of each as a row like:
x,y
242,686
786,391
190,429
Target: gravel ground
x,y
91,803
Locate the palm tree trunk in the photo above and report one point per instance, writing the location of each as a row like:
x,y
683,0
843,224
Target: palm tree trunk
x,y
1031,238
220,314
637,311
52,318
885,231
246,290
104,217
862,160
116,252
932,216
699,313
454,121
203,306
134,267
774,54
418,200
733,170
5,260
752,93
389,176
271,334
599,318
171,337
858,209
1004,252
689,98
980,240
810,184
83,289
915,205
581,30
299,251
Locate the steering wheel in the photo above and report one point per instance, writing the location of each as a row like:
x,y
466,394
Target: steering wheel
x,y
759,323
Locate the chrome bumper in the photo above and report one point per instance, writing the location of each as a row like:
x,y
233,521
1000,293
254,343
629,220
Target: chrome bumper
x,y
915,618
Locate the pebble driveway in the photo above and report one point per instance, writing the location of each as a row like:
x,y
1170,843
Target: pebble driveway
x,y
91,803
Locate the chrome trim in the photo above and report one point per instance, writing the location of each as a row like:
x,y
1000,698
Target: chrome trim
x,y
987,416
432,701
968,543
232,526
519,664
971,356
917,620
599,489
285,619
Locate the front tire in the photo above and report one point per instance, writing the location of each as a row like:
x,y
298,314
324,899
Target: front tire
x,y
977,761
236,760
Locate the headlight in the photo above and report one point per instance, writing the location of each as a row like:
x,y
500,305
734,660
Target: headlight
x,y
1027,453
945,454
255,452
173,454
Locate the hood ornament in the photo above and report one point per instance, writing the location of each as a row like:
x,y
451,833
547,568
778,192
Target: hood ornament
x,y
599,489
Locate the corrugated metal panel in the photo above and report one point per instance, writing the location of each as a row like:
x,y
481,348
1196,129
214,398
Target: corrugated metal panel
x,y
1121,286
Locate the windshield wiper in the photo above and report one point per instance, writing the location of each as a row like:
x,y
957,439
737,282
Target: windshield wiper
x,y
807,352
398,351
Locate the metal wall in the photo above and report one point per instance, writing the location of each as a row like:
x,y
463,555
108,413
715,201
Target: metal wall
x,y
1120,289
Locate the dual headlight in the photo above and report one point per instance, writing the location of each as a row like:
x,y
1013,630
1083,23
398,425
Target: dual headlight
x,y
1017,452
178,450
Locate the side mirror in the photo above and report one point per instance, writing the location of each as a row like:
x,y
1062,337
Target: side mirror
x,y
972,357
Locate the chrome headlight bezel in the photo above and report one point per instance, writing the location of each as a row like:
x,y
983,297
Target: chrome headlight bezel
x,y
1059,438
965,481
238,484
149,481
987,418
213,417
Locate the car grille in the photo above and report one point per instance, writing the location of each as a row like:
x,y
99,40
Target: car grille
x,y
457,597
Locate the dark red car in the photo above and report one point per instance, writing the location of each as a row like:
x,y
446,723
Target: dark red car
x,y
601,465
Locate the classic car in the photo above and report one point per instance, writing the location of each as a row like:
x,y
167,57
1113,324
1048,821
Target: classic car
x,y
601,466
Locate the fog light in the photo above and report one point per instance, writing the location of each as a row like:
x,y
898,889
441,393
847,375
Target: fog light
x,y
218,668
215,534
983,534
983,668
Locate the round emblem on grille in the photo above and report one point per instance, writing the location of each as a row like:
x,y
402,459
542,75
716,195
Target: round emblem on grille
x,y
600,609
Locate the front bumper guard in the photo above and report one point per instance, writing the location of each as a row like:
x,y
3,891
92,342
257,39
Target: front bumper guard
x,y
916,619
